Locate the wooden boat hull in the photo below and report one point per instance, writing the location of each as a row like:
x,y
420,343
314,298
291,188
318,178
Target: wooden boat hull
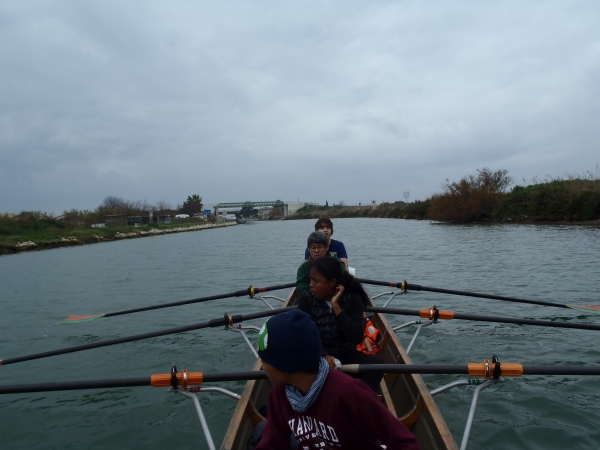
x,y
402,394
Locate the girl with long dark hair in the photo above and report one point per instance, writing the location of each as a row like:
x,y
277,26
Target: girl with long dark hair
x,y
336,304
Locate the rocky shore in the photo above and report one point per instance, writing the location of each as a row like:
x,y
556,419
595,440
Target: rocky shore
x,y
69,241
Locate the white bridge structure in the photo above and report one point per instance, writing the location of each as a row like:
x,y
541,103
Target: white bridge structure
x,y
286,207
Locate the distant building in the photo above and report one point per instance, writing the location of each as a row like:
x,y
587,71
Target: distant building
x,y
293,207
115,220
132,220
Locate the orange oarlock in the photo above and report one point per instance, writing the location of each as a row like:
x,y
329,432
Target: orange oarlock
x,y
369,343
486,369
164,379
435,314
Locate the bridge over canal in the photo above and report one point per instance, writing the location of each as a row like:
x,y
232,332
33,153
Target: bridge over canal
x,y
285,206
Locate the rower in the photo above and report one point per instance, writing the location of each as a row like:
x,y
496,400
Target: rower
x,y
318,245
321,407
336,248
336,304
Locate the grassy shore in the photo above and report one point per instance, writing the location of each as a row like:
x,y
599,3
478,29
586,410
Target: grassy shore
x,y
396,210
31,233
574,201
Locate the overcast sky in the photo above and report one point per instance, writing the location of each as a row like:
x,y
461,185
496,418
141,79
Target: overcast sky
x,y
328,100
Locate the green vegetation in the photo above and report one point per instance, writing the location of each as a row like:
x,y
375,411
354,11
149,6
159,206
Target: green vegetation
x,y
483,197
341,210
398,209
16,232
193,205
37,230
558,200
416,210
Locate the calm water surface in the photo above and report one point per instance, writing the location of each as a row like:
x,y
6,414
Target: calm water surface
x,y
553,263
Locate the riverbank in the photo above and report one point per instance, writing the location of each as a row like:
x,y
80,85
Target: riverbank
x,y
56,238
418,211
472,200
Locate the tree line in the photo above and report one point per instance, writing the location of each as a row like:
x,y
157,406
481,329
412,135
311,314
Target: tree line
x,y
111,205
487,196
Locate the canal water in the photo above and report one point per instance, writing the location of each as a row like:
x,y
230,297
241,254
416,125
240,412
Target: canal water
x,y
38,289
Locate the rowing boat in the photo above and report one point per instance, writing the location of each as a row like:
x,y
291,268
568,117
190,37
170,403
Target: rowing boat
x,y
402,392
406,396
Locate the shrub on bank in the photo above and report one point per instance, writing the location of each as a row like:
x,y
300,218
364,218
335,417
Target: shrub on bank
x,y
558,200
316,211
418,210
388,210
29,222
473,198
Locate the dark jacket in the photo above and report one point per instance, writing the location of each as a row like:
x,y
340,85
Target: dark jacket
x,y
339,334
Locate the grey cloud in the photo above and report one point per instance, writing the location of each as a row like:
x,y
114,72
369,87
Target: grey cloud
x,y
340,101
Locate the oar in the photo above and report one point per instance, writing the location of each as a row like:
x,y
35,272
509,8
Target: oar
x,y
473,369
435,314
251,291
228,319
416,287
197,378
160,380
431,313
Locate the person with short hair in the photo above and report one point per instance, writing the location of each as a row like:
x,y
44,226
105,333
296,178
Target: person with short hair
x,y
336,248
336,303
321,407
317,244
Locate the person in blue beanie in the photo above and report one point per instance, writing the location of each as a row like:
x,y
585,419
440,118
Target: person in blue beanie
x,y
322,407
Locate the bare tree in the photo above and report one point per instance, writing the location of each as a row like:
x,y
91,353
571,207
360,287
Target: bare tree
x,y
113,202
163,205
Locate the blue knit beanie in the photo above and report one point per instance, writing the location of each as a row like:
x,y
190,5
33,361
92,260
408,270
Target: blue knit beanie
x,y
290,342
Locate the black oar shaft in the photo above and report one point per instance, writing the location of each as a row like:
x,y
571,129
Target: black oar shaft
x,y
463,369
423,369
457,369
561,370
417,287
122,382
541,323
75,385
235,376
200,300
210,324
479,318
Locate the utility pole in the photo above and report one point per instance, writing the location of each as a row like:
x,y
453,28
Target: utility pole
x,y
406,196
